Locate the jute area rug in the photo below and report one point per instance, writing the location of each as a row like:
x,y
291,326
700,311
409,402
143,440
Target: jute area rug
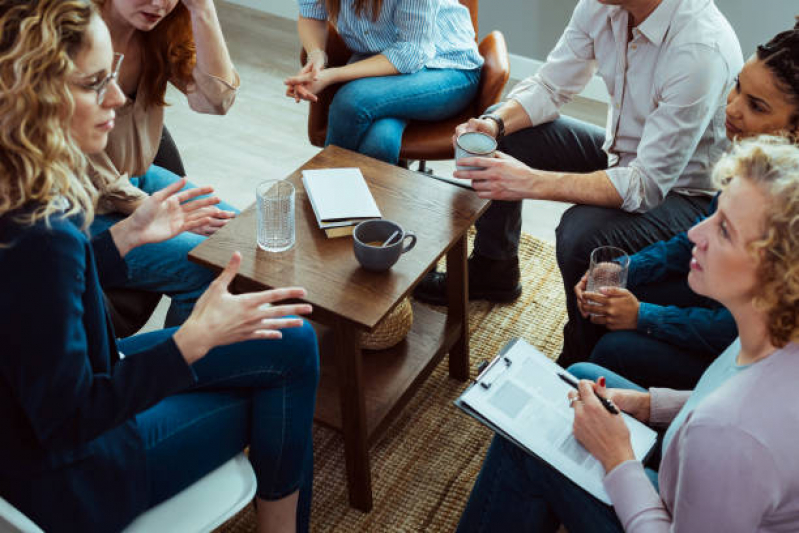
x,y
424,466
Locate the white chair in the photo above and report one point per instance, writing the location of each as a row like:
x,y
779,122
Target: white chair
x,y
202,507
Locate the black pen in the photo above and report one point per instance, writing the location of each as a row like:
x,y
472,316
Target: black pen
x,y
604,401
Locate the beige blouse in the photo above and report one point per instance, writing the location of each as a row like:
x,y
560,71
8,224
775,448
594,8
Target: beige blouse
x,y
134,141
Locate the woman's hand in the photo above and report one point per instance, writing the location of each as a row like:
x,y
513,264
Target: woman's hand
x,y
579,292
163,215
633,402
604,435
613,307
483,125
215,219
220,318
308,83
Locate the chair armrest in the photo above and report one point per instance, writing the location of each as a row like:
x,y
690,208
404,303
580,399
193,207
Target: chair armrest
x,y
496,70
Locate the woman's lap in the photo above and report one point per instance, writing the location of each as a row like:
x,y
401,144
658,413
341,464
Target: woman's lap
x,y
430,94
516,491
272,382
164,267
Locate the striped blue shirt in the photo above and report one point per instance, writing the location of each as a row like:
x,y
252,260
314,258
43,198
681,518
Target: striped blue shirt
x,y
412,34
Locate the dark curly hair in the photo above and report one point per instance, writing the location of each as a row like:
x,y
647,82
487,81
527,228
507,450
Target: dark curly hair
x,y
781,56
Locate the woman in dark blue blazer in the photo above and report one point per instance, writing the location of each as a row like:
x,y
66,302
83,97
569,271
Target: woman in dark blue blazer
x,y
95,431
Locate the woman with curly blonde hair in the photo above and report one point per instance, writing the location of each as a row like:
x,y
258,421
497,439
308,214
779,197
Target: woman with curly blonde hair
x,y
95,430
729,450
176,42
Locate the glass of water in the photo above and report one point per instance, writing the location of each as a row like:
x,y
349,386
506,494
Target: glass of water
x,y
275,200
609,267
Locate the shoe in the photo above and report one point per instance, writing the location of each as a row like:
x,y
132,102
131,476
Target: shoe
x,y
495,280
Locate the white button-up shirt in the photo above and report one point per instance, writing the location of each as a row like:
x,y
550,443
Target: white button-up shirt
x,y
667,86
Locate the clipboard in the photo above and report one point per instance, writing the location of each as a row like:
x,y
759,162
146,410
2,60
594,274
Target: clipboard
x,y
520,397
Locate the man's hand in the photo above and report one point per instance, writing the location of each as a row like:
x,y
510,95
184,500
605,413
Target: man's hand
x,y
482,125
613,307
502,177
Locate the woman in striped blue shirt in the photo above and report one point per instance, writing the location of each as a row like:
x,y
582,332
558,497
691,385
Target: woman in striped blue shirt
x,y
412,60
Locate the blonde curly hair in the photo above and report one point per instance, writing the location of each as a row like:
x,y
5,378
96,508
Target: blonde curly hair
x,y
40,161
773,164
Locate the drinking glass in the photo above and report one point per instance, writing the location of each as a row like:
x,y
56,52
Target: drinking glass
x,y
275,200
609,266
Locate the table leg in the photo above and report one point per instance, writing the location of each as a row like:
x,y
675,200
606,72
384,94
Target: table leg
x,y
353,414
458,296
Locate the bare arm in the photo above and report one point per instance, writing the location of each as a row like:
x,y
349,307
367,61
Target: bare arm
x,y
313,34
506,178
212,54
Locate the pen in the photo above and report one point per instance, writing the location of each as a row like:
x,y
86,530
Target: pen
x,y
604,401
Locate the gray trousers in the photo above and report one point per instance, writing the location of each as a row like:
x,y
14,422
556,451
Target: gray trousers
x,y
569,145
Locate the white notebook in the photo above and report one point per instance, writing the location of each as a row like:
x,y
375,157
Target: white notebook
x,y
520,396
339,196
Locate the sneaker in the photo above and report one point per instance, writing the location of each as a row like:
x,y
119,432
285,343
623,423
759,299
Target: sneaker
x,y
495,280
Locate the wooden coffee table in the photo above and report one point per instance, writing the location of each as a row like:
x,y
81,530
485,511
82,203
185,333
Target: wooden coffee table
x,y
359,393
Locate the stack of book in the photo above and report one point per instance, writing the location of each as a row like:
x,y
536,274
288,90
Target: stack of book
x,y
340,199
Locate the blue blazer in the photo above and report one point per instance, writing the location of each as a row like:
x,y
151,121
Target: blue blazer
x,y
71,457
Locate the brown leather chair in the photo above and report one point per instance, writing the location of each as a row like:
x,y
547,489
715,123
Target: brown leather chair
x,y
422,141
130,309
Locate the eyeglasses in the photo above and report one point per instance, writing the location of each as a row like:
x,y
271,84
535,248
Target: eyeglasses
x,y
101,87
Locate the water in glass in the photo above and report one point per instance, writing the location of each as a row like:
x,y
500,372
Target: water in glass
x,y
275,204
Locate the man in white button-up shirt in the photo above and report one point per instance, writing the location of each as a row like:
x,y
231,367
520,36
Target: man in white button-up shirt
x,y
668,66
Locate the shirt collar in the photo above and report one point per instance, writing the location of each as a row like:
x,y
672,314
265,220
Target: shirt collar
x,y
657,24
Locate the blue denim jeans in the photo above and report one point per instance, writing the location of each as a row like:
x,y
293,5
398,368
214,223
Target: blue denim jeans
x,y
369,115
257,393
163,267
516,491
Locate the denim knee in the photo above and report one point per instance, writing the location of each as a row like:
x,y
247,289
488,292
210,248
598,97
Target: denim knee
x,y
347,106
303,343
589,371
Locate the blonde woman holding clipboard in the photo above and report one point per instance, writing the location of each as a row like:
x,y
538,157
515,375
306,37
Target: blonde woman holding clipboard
x,y
728,454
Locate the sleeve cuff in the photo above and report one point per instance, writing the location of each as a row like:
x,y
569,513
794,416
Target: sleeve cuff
x,y
631,492
110,265
621,178
406,58
313,10
536,101
648,315
664,404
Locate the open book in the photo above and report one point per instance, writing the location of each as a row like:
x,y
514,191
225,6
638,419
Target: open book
x,y
520,396
340,199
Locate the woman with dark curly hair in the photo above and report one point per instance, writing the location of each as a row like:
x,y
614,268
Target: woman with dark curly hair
x,y
176,42
729,452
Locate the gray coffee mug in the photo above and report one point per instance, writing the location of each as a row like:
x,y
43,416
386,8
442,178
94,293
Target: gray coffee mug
x,y
368,238
474,144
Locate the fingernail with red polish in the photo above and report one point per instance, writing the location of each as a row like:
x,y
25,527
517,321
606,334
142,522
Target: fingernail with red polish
x,y
601,381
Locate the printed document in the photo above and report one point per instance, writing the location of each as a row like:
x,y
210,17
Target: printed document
x,y
521,397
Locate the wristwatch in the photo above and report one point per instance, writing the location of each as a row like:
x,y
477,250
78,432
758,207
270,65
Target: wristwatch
x,y
500,124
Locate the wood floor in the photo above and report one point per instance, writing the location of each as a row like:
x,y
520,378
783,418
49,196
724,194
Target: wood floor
x,y
264,134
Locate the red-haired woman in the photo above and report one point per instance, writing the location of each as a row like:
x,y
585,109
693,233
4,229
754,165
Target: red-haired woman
x,y
163,41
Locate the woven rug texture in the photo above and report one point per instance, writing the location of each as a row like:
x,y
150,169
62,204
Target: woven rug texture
x,y
424,465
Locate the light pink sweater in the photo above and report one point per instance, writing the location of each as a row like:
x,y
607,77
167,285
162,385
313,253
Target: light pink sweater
x,y
733,465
